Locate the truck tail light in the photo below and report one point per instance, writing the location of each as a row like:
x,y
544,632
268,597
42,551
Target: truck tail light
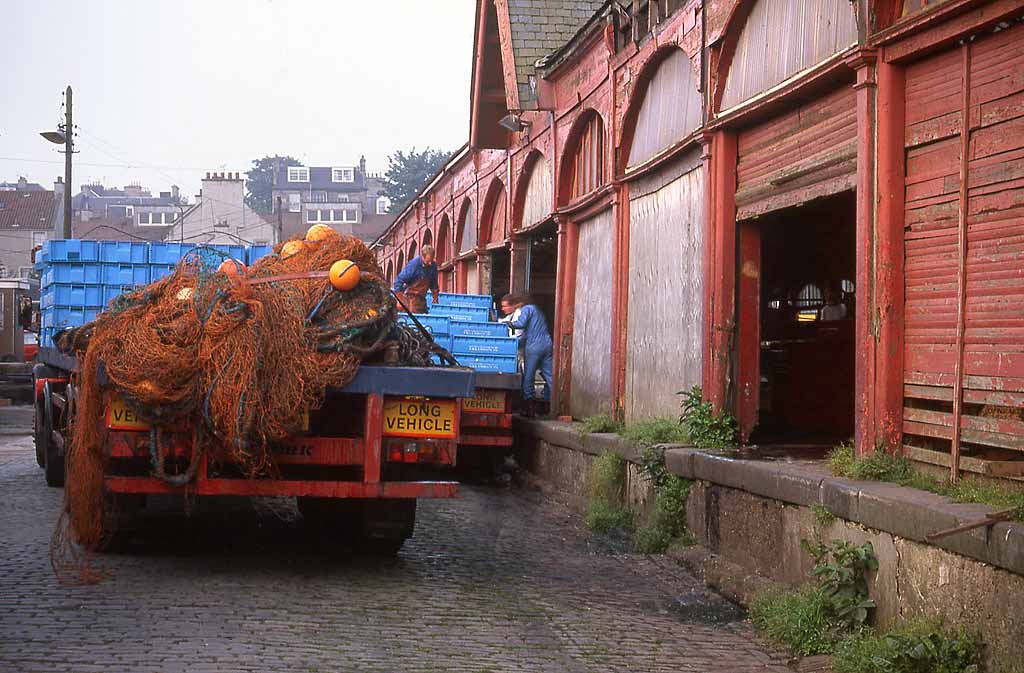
x,y
422,450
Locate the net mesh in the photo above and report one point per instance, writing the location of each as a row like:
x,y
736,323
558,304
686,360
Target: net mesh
x,y
239,362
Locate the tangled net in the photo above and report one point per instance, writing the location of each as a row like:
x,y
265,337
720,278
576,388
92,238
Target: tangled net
x,y
239,362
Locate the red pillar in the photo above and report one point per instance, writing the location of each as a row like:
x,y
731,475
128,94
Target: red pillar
x,y
889,303
865,330
722,279
620,299
565,297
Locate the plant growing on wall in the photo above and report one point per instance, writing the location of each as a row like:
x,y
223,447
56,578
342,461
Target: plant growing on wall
x,y
705,428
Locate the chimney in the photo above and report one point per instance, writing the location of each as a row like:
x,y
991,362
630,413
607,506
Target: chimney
x,y
207,175
22,182
362,165
175,193
58,188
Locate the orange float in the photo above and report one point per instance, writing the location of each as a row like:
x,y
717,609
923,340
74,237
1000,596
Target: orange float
x,y
344,275
319,232
231,267
291,248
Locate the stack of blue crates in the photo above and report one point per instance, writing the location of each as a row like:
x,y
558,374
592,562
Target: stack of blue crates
x,y
79,278
462,324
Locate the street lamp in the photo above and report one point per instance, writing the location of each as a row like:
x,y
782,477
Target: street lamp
x,y
64,135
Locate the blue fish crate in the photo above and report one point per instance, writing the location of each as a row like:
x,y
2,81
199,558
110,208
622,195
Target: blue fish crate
x,y
468,313
168,253
125,274
62,317
464,300
71,272
504,364
69,250
158,271
478,329
472,345
435,324
257,252
46,337
63,294
112,292
233,251
124,252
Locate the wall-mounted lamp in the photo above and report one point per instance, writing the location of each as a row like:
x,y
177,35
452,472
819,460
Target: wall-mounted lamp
x,y
513,122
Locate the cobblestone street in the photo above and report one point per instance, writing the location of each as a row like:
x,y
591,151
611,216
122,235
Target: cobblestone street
x,y
497,580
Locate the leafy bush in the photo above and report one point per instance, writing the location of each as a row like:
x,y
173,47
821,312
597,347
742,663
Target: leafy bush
x,y
841,569
600,423
705,428
917,647
605,510
667,521
798,619
655,431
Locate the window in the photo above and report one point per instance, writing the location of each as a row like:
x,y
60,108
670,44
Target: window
x,y
312,216
25,271
349,215
318,197
383,205
298,174
588,161
37,238
294,203
260,241
343,175
343,198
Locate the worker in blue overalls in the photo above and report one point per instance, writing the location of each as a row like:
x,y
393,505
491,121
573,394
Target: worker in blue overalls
x,y
418,276
535,339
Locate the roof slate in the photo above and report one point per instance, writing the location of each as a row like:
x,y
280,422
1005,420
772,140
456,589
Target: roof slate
x,y
27,209
540,27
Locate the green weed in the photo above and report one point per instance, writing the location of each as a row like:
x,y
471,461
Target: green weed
x,y
605,511
915,647
822,516
655,431
705,428
599,423
667,520
797,619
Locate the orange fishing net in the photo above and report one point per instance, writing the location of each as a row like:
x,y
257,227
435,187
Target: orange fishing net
x,y
238,362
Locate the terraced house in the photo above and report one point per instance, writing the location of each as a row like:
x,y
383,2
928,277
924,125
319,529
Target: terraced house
x,y
814,209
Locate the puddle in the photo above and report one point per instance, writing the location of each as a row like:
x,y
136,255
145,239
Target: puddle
x,y
702,607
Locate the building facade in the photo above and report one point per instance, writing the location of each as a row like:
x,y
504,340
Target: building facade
x,y
811,209
346,198
133,212
29,215
221,216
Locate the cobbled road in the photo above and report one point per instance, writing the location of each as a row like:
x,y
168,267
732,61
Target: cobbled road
x,y
498,580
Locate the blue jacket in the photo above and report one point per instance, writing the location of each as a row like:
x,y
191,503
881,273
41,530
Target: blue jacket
x,y
414,271
535,336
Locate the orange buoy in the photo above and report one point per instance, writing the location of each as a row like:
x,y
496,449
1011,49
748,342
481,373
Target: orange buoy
x,y
231,267
319,232
344,275
291,248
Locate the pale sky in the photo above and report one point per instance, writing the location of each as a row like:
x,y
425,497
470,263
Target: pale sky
x,y
166,90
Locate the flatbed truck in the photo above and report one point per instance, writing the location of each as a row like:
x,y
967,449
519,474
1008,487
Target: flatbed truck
x,y
379,443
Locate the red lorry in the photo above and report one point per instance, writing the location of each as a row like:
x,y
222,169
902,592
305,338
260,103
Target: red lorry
x,y
377,444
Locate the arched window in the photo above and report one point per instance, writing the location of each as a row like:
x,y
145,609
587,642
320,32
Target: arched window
x,y
495,225
412,250
669,108
428,239
814,30
467,228
537,201
810,296
586,162
443,237
401,262
390,273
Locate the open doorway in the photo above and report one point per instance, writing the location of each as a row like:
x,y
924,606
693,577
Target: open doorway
x,y
805,321
501,273
541,264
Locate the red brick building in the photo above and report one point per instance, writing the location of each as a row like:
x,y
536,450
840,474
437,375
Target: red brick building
x,y
813,209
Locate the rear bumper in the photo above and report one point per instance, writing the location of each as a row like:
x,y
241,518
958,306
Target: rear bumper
x,y
284,488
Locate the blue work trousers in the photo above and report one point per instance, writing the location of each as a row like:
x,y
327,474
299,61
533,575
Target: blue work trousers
x,y
534,360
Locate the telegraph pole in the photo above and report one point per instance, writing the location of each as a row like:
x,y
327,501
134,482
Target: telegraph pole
x,y
280,225
69,147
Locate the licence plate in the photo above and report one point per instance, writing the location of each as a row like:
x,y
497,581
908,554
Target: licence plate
x,y
414,417
121,417
486,401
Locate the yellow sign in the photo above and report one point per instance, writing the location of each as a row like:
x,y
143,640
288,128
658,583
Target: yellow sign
x,y
485,400
120,417
414,417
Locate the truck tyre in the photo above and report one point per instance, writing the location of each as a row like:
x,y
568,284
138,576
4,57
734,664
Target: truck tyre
x,y
38,436
387,524
54,461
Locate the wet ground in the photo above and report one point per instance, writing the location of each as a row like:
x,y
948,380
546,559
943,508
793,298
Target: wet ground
x,y
496,580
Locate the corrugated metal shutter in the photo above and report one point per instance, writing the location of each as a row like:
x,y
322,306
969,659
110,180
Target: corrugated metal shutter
x,y
665,316
592,329
804,154
990,348
670,110
538,200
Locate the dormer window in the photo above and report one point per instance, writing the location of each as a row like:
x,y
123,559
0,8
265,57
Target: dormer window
x,y
343,175
298,174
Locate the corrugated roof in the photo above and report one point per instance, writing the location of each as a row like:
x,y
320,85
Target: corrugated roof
x,y
540,27
26,210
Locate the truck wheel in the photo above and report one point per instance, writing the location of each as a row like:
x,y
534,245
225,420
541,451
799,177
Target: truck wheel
x,y
387,524
38,436
54,461
332,519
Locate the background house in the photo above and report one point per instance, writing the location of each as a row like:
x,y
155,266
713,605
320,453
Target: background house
x,y
29,215
221,216
131,213
344,197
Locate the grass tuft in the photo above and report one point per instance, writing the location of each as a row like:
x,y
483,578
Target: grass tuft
x,y
605,511
599,423
796,619
655,431
667,521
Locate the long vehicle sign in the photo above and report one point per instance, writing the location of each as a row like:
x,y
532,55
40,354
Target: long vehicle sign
x,y
420,417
